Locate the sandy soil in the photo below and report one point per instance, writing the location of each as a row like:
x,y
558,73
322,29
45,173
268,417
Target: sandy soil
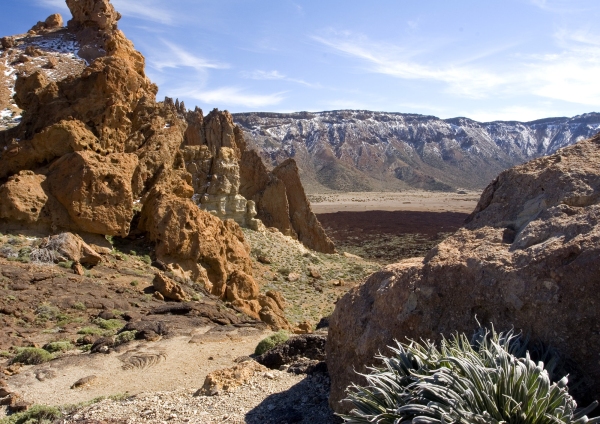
x,y
418,201
140,367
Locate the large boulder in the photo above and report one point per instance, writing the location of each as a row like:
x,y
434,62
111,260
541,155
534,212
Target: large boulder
x,y
528,258
95,190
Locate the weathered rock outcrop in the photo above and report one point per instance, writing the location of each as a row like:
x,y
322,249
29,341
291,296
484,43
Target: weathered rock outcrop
x,y
231,181
529,257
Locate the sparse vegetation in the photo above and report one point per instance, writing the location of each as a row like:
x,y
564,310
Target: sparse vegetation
x,y
108,324
270,342
59,346
37,414
125,336
31,356
489,380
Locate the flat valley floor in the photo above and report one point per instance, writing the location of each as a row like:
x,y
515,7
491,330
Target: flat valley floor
x,y
389,227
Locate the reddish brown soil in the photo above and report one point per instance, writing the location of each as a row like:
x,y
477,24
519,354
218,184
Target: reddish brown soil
x,y
389,236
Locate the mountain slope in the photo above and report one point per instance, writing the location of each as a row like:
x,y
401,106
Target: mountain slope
x,y
351,150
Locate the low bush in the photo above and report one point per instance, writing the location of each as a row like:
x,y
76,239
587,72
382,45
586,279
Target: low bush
x,y
31,356
270,342
61,346
108,324
489,380
125,336
41,414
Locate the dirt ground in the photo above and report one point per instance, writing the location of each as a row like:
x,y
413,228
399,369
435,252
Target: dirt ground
x,y
414,200
389,236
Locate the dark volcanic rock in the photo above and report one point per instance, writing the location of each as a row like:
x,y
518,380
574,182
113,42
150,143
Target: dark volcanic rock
x,y
309,346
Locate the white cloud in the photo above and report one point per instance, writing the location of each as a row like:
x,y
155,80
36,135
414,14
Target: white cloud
x,y
232,96
177,57
513,113
275,75
383,58
569,72
149,10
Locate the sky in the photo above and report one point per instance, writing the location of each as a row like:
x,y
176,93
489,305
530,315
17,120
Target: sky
x,y
483,59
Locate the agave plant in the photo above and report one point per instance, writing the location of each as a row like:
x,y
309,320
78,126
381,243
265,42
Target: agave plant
x,y
489,380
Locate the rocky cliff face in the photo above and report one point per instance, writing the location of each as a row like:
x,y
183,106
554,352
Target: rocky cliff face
x,y
528,258
93,153
364,151
231,181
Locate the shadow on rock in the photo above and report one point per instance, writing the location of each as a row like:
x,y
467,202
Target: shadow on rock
x,y
305,402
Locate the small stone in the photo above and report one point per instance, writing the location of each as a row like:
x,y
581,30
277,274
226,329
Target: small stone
x,y
84,382
77,268
292,277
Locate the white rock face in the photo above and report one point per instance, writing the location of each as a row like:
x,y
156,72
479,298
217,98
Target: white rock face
x,y
363,150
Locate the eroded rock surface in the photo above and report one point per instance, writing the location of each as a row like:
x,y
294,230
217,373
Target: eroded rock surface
x,y
529,257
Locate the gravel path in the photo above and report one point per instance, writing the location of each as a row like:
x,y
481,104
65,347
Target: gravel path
x,y
269,397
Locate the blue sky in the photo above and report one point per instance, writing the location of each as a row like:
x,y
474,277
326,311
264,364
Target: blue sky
x,y
484,59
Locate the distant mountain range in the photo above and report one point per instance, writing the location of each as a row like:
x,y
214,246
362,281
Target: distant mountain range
x,y
356,150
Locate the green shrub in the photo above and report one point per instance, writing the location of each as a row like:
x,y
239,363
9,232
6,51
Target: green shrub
x,y
61,346
485,381
108,324
91,331
125,336
37,414
31,356
146,259
79,306
270,342
47,312
66,264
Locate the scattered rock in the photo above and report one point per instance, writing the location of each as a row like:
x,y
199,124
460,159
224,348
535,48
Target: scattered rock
x,y
293,277
226,380
314,273
263,259
311,346
73,248
304,328
168,288
77,268
103,345
84,382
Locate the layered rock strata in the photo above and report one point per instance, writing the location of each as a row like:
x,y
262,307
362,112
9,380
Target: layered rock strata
x,y
528,258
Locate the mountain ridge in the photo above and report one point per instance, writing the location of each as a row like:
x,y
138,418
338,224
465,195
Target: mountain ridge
x,y
360,150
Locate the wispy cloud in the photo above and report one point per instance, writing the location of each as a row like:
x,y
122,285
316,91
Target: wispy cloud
x,y
232,96
275,75
177,57
150,10
569,72
391,60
